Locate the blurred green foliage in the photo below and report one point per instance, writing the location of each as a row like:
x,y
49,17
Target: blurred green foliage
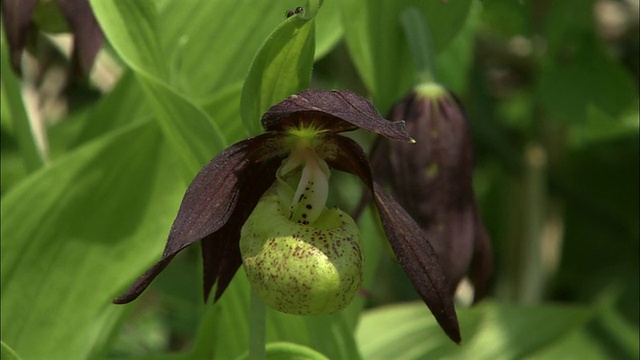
x,y
551,90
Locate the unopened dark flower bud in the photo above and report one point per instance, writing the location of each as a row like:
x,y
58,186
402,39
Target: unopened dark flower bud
x,y
432,180
20,25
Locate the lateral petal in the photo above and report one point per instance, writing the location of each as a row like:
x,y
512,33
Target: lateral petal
x,y
221,250
413,251
216,200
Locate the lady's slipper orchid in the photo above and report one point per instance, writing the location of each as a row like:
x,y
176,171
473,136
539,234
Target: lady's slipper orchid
x,y
262,203
433,182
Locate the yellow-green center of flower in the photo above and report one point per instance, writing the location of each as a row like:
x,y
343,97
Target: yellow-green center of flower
x,y
303,179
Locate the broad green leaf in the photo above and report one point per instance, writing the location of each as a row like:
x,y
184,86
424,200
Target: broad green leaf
x,y
211,44
576,345
7,353
495,13
454,63
609,335
120,107
378,47
588,77
32,152
281,67
75,234
224,106
329,30
622,331
489,331
578,70
132,29
506,331
406,331
599,127
195,138
566,22
193,135
289,351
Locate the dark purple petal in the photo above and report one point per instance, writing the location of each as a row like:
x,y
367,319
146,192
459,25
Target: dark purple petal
x,y
143,281
335,111
16,16
419,260
412,249
87,36
221,250
216,201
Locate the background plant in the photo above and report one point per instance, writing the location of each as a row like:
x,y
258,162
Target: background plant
x,y
89,191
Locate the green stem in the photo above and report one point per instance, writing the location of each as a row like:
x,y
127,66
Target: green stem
x,y
257,328
418,37
532,282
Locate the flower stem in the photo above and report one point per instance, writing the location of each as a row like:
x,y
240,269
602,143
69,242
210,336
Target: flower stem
x,y
416,31
257,328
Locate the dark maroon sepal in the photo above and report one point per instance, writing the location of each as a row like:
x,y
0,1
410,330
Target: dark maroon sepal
x,y
215,206
412,249
333,111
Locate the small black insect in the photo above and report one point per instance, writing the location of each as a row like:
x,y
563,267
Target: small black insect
x,y
295,11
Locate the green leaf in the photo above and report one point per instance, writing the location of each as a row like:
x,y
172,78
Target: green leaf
x,y
577,345
378,47
132,29
520,21
225,106
194,136
281,67
489,331
211,44
289,351
119,108
329,30
455,61
588,76
7,353
75,234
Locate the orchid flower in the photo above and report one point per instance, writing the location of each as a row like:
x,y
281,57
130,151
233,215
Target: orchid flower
x,y
261,203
